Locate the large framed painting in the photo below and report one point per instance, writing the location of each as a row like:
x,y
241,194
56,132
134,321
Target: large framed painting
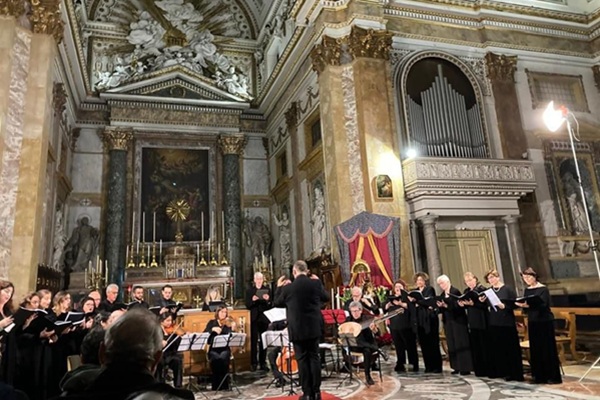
x,y
169,174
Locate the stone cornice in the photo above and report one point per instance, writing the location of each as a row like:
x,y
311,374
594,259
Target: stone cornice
x,y
45,18
461,177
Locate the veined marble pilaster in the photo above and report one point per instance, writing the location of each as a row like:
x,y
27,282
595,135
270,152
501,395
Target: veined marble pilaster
x,y
116,141
232,146
353,141
434,264
12,108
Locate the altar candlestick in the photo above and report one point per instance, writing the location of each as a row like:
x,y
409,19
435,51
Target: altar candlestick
x,y
198,253
212,224
202,225
154,227
209,248
160,249
97,263
105,269
133,228
148,252
332,299
223,224
137,247
143,235
86,277
127,254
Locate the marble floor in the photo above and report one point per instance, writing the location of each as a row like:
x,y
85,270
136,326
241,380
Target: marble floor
x,y
425,386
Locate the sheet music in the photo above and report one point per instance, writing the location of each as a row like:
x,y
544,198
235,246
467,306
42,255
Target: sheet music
x,y
276,314
275,338
193,341
229,340
492,297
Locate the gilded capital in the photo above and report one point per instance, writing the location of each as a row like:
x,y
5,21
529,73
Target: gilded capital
x,y
360,42
501,67
45,18
12,8
328,52
596,71
369,43
117,138
232,144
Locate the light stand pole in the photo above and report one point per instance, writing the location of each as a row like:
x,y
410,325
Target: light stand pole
x,y
593,245
553,120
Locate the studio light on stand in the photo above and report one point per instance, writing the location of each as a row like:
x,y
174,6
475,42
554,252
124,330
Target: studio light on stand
x,y
554,118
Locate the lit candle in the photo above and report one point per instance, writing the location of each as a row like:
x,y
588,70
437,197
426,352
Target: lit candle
x,y
143,235
202,225
132,228
154,228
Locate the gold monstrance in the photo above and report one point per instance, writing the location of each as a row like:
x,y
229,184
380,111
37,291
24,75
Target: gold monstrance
x,y
178,210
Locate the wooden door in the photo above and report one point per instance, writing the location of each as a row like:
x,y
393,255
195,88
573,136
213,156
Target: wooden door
x,y
462,251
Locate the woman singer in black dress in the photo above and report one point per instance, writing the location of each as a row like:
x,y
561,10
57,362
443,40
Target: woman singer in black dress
x,y
428,325
477,315
545,367
403,328
505,354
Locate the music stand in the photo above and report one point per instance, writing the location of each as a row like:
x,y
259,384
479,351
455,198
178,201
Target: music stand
x,y
229,340
281,339
350,341
189,342
335,317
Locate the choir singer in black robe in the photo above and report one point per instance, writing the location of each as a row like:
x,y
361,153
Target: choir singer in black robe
x,y
477,315
545,367
403,328
456,328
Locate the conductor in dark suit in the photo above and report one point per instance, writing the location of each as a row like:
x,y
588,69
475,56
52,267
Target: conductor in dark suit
x,y
303,299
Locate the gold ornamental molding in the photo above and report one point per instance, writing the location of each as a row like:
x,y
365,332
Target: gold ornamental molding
x,y
232,144
501,67
117,138
367,43
12,8
45,18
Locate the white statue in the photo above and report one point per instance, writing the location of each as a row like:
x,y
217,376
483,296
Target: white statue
x,y
578,217
233,82
319,222
60,239
285,243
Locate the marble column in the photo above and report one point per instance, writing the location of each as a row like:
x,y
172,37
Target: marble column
x,y
26,126
359,133
517,252
116,141
434,264
232,146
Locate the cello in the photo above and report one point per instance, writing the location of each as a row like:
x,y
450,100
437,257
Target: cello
x,y
286,361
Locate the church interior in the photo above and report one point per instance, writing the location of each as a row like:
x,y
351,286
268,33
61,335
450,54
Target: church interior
x,y
194,143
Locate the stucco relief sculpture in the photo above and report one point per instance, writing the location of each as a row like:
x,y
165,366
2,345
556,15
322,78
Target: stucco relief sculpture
x,y
319,222
60,239
258,236
285,242
173,32
82,246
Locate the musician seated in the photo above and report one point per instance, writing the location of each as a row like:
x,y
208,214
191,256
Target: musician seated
x,y
219,357
365,340
213,295
171,357
274,353
367,303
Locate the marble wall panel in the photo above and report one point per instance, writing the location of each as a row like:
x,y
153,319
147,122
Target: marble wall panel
x,y
564,269
87,172
255,148
255,177
89,141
